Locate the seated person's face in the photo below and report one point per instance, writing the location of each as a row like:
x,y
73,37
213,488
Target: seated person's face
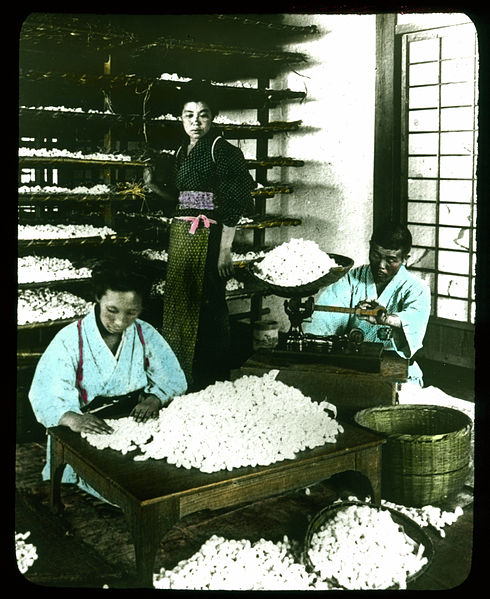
x,y
119,309
385,263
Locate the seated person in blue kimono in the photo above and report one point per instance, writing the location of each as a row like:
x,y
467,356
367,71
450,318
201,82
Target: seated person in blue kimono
x,y
385,282
107,364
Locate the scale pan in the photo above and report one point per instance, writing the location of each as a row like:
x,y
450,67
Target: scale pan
x,y
332,276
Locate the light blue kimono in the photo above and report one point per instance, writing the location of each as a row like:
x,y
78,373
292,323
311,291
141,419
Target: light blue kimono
x,y
406,295
54,391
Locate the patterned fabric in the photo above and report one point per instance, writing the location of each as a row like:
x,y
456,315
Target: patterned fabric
x,y
197,200
183,291
226,176
195,313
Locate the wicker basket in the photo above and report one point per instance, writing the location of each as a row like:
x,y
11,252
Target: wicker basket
x,y
409,526
427,454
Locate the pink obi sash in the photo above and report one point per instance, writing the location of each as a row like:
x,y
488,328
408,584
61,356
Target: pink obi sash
x,y
194,220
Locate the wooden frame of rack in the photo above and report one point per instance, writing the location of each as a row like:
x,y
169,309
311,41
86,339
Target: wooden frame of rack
x,y
106,45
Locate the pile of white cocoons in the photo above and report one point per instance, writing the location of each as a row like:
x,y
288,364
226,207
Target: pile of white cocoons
x,y
252,421
293,263
62,153
234,285
239,565
35,269
44,304
62,231
363,548
25,553
80,189
428,515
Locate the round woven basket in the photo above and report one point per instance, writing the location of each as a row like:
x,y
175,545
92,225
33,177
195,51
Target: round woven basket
x,y
409,527
427,452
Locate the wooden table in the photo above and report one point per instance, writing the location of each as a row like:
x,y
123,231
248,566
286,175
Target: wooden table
x,y
154,495
349,389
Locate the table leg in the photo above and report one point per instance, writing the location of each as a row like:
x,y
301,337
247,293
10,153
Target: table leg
x,y
148,524
368,462
57,466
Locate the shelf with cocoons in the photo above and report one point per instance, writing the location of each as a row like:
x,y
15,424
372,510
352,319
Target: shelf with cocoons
x,y
89,121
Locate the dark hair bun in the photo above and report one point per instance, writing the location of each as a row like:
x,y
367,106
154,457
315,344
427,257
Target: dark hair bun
x,y
122,272
199,90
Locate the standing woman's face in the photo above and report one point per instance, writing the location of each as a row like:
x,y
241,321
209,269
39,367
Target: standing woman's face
x,y
197,120
119,309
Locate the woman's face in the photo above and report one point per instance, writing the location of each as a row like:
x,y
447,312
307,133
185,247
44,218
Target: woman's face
x,y
197,119
119,309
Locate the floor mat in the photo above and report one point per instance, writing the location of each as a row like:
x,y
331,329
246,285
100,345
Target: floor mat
x,y
63,559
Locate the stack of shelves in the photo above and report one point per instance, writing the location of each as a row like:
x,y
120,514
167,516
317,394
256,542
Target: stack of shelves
x,y
98,93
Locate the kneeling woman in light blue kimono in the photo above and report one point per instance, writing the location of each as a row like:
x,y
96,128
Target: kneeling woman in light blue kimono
x,y
106,363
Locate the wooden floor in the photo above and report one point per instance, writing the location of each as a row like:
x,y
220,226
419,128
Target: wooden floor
x,y
90,546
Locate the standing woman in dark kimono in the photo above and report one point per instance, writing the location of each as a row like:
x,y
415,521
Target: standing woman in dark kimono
x,y
214,191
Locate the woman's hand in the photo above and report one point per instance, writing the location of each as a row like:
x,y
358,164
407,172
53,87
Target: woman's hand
x,y
149,182
148,175
85,423
147,407
225,263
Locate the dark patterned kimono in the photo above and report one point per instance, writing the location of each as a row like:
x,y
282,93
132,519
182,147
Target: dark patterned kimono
x,y
214,187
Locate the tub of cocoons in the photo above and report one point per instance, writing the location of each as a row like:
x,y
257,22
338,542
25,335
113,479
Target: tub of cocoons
x,y
356,545
298,268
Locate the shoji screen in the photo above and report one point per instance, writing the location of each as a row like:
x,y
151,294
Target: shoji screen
x,y
439,153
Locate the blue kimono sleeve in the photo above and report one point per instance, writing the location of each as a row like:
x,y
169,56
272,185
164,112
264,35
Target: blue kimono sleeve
x,y
331,323
53,389
414,317
166,378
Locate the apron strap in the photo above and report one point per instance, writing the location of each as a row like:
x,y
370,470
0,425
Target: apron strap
x,y
142,339
83,392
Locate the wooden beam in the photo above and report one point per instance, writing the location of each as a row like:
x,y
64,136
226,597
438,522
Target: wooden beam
x,y
386,192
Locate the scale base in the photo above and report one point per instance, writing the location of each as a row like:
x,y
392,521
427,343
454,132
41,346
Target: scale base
x,y
366,358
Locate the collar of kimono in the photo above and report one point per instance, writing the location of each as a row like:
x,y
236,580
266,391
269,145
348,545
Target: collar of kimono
x,y
93,331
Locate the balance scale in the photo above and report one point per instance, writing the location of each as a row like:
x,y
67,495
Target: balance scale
x,y
349,350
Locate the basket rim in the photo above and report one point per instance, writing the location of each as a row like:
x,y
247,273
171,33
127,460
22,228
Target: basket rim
x,y
424,407
400,518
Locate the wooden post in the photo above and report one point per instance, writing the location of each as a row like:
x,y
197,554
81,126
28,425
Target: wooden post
x,y
386,201
262,150
108,146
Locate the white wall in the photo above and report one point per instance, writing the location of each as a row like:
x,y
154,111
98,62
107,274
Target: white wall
x,y
333,191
